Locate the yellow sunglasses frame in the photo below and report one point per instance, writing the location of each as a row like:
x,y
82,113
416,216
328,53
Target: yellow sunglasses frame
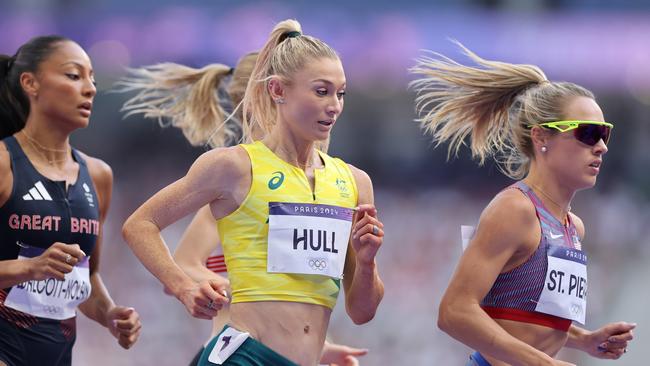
x,y
572,124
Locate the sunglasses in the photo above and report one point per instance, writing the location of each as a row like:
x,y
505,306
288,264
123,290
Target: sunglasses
x,y
588,132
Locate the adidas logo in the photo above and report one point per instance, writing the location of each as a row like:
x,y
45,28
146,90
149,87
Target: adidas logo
x,y
37,193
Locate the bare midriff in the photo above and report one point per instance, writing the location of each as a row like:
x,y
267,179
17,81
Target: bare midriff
x,y
545,339
294,330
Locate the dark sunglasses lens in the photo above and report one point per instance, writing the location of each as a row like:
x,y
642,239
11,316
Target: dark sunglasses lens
x,y
591,134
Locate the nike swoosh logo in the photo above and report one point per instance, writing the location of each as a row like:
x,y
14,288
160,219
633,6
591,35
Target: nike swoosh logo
x,y
554,236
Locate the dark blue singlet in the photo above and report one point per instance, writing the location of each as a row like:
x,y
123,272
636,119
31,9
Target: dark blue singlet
x,y
38,213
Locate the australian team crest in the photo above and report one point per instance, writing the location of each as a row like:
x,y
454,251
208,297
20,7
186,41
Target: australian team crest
x,y
341,184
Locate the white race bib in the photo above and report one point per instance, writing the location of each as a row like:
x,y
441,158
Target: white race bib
x,y
51,298
466,234
565,287
229,341
308,238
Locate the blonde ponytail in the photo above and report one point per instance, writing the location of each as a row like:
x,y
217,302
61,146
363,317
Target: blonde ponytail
x,y
494,104
239,80
186,97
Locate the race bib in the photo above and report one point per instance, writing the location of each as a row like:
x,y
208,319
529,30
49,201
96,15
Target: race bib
x,y
51,298
229,341
466,234
308,238
565,288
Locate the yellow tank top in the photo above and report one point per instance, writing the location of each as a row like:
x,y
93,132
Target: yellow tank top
x,y
244,233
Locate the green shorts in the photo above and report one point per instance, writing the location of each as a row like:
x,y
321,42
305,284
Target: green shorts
x,y
250,353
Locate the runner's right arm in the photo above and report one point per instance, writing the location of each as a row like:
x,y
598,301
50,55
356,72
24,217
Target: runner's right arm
x,y
214,177
506,225
199,240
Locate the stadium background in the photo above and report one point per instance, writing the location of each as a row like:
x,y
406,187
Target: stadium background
x,y
422,199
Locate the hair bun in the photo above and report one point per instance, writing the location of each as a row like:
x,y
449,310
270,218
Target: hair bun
x,y
290,34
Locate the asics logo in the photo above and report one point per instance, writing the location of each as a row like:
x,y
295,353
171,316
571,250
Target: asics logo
x,y
276,181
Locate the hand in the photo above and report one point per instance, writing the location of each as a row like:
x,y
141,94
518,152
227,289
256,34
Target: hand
x,y
610,341
124,324
55,262
218,280
204,299
340,355
367,234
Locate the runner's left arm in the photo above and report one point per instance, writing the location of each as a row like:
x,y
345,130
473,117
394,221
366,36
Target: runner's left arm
x,y
122,322
363,287
608,342
611,340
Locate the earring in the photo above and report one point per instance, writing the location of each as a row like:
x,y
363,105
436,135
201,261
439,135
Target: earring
x,y
279,101
544,149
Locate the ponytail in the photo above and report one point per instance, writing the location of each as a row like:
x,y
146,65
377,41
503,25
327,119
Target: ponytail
x,y
495,104
455,101
286,51
14,104
190,99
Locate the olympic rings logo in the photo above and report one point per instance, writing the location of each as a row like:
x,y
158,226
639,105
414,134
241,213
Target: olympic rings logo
x,y
51,309
317,263
576,309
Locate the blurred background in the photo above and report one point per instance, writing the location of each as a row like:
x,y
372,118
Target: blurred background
x,y
422,198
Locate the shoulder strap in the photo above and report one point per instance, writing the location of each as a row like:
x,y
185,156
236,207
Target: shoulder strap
x,y
15,151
